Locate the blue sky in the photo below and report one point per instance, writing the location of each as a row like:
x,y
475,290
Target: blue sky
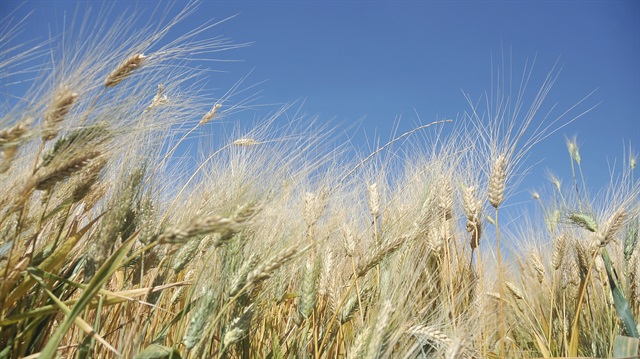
x,y
374,61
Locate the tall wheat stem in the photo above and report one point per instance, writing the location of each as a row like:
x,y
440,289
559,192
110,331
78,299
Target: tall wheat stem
x,y
335,315
503,333
573,344
355,275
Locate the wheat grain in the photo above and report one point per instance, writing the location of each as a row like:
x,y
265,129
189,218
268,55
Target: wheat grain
x,y
185,254
456,350
238,328
574,151
7,156
57,111
240,279
124,70
50,176
374,199
612,227
538,267
199,319
514,290
445,200
326,274
559,250
209,115
209,224
158,100
87,178
472,207
348,241
266,269
314,206
309,294
431,333
378,255
13,136
377,337
584,220
245,142
497,180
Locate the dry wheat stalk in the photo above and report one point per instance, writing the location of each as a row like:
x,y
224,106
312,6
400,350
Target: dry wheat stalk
x,y
56,112
124,70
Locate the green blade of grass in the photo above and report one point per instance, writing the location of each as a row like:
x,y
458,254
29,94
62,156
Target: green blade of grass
x,y
66,310
113,298
54,261
619,301
93,287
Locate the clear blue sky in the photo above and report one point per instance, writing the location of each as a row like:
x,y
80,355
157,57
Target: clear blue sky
x,y
351,60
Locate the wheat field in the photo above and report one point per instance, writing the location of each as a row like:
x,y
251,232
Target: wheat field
x,y
111,248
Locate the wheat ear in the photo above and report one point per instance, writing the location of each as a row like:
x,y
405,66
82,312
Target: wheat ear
x,y
57,111
124,70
